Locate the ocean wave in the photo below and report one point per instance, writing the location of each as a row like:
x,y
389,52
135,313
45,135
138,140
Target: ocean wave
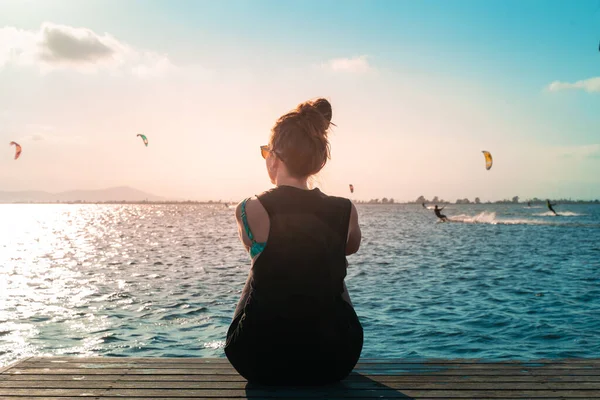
x,y
559,214
486,217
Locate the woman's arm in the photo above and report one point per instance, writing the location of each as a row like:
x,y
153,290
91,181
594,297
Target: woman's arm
x,y
241,231
354,234
258,222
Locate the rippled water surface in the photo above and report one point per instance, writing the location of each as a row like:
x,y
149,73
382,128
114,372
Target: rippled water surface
x,y
498,282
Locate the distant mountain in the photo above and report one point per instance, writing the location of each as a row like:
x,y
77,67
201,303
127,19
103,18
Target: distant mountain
x,y
122,193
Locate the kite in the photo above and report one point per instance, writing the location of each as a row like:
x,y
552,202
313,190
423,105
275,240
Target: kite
x,y
351,188
488,159
17,149
143,138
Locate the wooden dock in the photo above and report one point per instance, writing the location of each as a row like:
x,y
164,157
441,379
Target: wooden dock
x,y
67,378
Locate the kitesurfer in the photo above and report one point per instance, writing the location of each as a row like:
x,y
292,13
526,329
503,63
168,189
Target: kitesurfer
x,y
438,213
550,206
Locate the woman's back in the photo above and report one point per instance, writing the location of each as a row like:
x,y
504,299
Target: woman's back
x,y
300,273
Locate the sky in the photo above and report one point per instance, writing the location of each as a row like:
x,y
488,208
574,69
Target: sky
x,y
418,90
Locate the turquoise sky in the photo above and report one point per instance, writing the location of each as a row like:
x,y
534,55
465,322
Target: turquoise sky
x,y
426,86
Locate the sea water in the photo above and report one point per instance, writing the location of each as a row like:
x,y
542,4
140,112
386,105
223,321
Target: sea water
x,y
496,282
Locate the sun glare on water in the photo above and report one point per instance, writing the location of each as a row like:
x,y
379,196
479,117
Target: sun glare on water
x,y
40,248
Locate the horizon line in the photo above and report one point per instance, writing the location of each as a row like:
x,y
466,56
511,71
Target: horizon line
x,y
369,202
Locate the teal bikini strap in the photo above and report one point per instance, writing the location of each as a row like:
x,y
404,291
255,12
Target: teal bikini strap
x,y
245,221
256,248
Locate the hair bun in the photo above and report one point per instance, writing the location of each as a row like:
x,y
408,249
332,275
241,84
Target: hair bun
x,y
316,113
324,107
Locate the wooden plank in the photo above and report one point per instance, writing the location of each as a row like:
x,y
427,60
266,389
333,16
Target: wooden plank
x,y
350,386
11,365
401,396
328,398
286,393
231,371
351,378
184,365
34,392
441,393
387,366
362,360
304,393
60,378
19,397
173,378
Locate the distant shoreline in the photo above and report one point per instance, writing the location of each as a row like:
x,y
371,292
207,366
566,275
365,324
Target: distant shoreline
x,y
471,203
126,195
370,202
121,202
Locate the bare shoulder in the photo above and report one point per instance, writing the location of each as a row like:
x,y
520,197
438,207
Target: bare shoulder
x,y
253,208
257,220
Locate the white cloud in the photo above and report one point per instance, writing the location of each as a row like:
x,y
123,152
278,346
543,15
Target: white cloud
x,y
589,85
358,64
61,43
64,47
16,45
152,65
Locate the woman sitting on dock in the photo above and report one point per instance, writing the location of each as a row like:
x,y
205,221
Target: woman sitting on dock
x,y
294,323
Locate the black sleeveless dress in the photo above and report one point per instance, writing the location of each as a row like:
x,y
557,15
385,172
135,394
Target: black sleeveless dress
x,y
292,325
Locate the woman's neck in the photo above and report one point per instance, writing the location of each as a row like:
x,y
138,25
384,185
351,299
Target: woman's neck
x,y
283,180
